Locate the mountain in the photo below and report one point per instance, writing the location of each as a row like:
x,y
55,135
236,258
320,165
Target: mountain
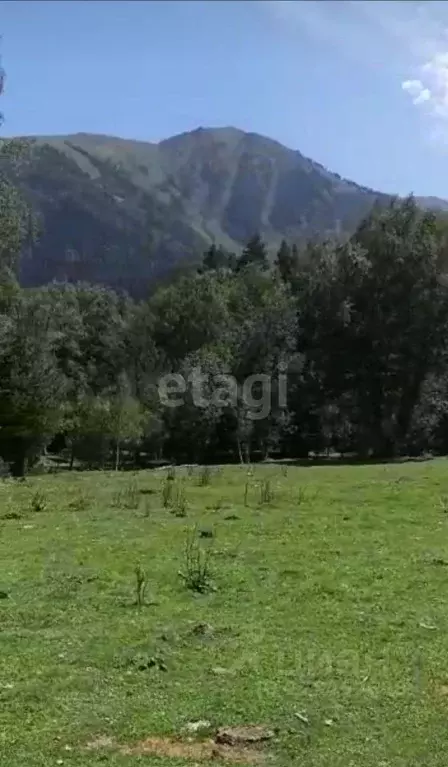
x,y
126,213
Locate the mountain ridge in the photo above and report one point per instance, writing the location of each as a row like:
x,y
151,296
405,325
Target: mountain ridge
x,y
125,212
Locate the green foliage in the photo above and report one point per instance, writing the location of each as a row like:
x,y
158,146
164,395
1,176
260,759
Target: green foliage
x,y
350,340
287,262
174,497
140,585
205,477
216,258
39,502
197,575
254,254
32,389
266,492
179,502
127,497
167,493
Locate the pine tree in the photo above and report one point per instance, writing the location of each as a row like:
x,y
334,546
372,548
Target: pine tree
x,y
287,261
215,258
254,254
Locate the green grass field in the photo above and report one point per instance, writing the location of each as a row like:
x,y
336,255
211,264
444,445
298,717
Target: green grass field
x,y
327,622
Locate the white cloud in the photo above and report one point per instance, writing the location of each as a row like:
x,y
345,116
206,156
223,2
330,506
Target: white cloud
x,y
430,92
424,95
417,90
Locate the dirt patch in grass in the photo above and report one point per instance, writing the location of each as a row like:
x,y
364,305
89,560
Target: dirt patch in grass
x,y
103,741
195,751
190,750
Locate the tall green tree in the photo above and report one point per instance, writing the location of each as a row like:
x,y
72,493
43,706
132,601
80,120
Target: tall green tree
x,y
287,261
32,391
16,222
254,254
215,258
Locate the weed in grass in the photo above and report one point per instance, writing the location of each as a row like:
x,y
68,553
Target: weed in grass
x,y
443,503
145,663
205,477
246,492
140,579
203,629
174,498
216,505
147,511
179,505
127,497
11,515
301,495
131,495
190,471
167,493
80,503
38,502
206,533
266,492
284,470
171,474
197,575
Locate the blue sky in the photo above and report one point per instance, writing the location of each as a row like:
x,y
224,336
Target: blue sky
x,y
361,87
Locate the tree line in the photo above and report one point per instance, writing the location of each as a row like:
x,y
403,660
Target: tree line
x,y
359,329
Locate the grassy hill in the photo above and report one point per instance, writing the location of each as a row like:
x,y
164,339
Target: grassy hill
x,y
326,624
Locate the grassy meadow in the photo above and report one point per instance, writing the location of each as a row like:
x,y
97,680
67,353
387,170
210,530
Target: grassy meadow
x,y
313,601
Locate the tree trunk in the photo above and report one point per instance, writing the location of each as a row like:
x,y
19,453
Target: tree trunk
x,y
117,455
18,465
240,453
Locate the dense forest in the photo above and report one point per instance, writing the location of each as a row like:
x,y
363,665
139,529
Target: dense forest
x,y
355,333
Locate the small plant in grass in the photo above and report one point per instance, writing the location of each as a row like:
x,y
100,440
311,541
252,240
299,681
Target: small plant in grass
x,y
284,470
140,579
443,502
167,493
179,504
11,515
190,471
246,492
128,497
147,511
80,503
197,575
38,502
266,492
171,474
205,476
131,495
301,495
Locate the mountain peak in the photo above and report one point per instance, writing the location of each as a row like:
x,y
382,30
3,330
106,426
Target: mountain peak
x,y
126,212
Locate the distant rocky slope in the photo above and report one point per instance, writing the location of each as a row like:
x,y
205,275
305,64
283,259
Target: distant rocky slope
x,y
126,213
